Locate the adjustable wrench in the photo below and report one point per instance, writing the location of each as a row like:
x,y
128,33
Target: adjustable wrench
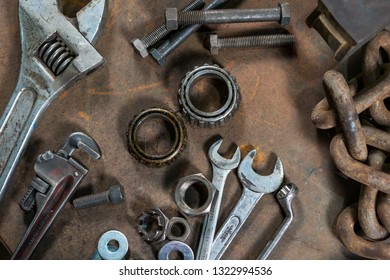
x,y
221,169
57,177
55,54
254,187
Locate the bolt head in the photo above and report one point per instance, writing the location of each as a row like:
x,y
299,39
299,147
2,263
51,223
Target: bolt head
x,y
157,56
140,48
171,19
214,48
285,13
116,194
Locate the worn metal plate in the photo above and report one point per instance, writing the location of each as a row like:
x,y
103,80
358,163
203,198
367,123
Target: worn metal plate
x,y
279,90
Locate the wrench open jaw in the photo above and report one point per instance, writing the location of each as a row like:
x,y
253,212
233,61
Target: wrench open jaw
x,y
55,54
254,187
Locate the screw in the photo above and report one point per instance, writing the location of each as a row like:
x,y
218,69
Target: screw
x,y
113,195
275,40
141,45
280,14
180,36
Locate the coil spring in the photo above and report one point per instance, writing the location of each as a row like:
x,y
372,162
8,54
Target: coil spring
x,y
56,55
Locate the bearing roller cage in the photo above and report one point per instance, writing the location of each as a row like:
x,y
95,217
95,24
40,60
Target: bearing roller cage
x,y
215,118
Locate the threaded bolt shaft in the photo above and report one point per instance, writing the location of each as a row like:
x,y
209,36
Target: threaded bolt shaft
x,y
141,45
174,19
114,195
275,40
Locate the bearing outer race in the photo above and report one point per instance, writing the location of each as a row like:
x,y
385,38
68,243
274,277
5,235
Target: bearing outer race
x,y
172,246
209,118
179,141
103,250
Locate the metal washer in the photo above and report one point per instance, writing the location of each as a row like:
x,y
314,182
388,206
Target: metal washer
x,y
104,249
215,118
177,246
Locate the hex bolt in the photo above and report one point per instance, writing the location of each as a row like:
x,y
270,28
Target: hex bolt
x,y
274,40
113,195
177,38
174,19
141,45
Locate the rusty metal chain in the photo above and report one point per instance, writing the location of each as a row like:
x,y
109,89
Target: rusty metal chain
x,y
361,149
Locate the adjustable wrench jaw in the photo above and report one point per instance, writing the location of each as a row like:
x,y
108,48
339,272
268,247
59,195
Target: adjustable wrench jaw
x,y
54,56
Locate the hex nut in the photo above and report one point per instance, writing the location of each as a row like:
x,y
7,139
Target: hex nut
x,y
184,228
146,220
171,19
214,47
140,47
180,195
285,13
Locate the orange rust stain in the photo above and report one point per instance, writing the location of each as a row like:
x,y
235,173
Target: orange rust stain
x,y
260,155
84,116
256,86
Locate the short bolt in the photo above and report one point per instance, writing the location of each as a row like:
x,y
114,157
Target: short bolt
x,y
113,195
141,45
174,19
275,40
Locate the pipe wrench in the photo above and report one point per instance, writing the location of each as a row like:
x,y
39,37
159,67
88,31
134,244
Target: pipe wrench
x,y
56,51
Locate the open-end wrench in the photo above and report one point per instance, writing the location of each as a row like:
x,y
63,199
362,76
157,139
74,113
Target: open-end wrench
x,y
55,54
57,177
221,169
254,187
285,197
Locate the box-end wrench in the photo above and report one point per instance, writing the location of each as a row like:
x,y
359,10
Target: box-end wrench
x,y
221,169
57,177
285,197
254,187
55,54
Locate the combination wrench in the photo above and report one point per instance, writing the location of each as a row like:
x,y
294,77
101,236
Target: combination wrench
x,y
285,198
221,169
254,187
55,52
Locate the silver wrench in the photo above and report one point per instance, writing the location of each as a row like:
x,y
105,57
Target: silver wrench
x,y
254,187
55,54
221,169
285,197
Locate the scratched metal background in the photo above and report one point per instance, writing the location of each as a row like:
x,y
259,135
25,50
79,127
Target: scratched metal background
x,y
279,90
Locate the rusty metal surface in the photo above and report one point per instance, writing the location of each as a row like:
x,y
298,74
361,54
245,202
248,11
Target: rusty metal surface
x,y
279,90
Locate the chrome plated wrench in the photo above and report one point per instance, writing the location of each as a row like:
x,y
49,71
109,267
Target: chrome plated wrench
x,y
221,169
254,187
55,54
285,197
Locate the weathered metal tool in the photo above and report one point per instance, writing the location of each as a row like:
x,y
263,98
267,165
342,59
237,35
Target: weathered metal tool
x,y
55,54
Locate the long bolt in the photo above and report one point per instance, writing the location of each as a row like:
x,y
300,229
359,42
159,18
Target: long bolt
x,y
174,19
275,40
180,36
113,195
141,45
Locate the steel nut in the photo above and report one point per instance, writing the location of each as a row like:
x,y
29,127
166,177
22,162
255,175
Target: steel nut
x,y
178,229
204,189
140,48
152,225
214,48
